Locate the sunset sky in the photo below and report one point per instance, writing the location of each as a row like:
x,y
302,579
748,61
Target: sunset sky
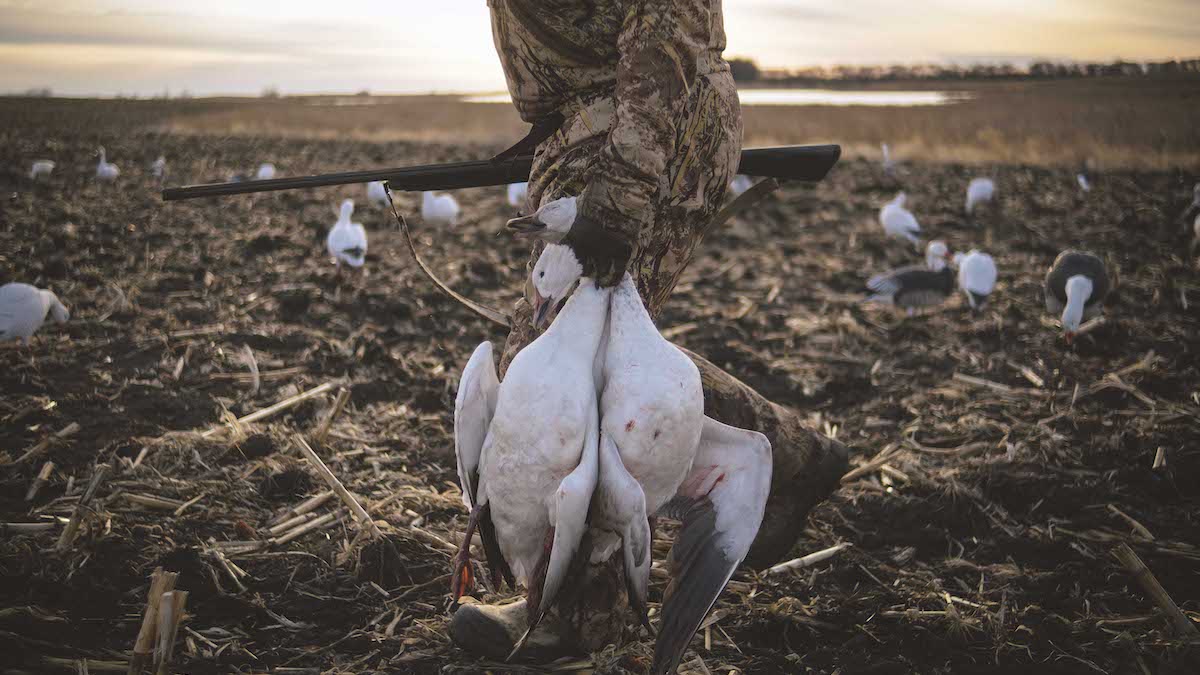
x,y
105,47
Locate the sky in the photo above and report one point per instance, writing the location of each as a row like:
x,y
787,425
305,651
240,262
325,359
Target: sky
x,y
208,47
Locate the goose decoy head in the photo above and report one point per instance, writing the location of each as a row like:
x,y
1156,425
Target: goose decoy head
x,y
937,254
554,275
550,223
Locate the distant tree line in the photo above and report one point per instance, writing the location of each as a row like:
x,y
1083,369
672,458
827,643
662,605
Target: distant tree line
x,y
746,70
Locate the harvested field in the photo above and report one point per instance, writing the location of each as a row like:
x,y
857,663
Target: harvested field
x,y
995,468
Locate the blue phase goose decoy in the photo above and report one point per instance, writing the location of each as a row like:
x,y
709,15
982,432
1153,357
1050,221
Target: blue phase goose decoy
x,y
916,286
1076,287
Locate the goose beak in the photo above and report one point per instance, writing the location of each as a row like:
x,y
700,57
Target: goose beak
x,y
1070,337
526,225
541,309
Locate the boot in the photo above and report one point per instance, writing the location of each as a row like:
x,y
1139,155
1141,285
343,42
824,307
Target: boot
x,y
493,630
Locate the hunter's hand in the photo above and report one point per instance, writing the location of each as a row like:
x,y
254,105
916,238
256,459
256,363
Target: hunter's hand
x,y
603,253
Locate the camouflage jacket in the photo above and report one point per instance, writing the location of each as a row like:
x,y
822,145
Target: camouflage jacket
x,y
629,77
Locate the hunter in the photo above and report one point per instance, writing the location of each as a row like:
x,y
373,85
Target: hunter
x,y
634,111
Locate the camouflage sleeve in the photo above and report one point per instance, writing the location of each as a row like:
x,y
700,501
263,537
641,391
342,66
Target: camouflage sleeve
x,y
656,68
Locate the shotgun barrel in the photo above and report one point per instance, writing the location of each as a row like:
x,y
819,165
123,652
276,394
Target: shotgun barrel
x,y
807,163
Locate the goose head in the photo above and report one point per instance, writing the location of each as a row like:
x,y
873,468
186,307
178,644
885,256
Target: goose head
x,y
58,311
900,199
554,276
550,223
347,210
937,255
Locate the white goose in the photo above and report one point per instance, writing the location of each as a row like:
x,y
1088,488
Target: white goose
x,y
377,193
105,170
658,453
41,167
347,241
23,310
740,184
439,209
517,192
976,277
527,452
159,168
899,222
266,171
979,191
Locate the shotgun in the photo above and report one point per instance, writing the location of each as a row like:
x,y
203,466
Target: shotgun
x,y
806,163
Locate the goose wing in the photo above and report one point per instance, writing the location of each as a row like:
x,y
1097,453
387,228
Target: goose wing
x,y
721,504
474,406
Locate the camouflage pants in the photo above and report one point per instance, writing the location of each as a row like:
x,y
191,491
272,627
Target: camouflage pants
x,y
692,190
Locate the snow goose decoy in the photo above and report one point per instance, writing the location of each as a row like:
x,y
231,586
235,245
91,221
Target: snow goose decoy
x,y
889,166
740,184
899,222
976,277
916,286
377,193
439,209
1082,178
41,167
23,310
266,171
159,168
527,452
106,170
517,193
1076,286
979,191
347,241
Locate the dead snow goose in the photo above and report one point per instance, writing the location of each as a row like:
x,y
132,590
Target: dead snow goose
x,y
916,286
899,222
41,167
106,170
1076,286
439,209
976,277
347,241
979,191
658,452
527,452
23,310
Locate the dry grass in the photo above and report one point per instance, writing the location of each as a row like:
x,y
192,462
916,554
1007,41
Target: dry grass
x,y
1117,123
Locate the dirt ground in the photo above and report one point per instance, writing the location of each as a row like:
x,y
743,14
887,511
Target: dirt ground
x,y
1005,466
